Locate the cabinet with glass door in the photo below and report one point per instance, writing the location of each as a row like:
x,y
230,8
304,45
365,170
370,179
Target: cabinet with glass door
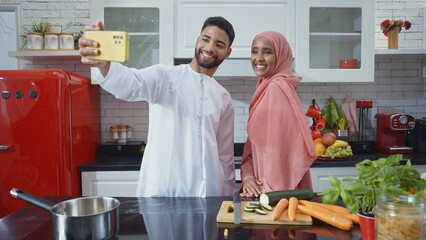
x,y
335,41
149,24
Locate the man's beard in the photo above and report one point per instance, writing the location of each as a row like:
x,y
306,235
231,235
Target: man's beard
x,y
214,64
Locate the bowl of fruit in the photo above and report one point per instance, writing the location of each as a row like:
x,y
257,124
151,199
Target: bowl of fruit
x,y
328,147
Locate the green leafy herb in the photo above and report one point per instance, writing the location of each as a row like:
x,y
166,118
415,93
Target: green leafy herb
x,y
384,175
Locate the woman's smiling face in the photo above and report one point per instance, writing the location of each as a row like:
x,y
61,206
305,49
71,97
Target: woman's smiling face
x,y
263,59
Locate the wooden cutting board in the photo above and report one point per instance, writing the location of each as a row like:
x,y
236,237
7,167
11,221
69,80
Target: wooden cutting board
x,y
226,215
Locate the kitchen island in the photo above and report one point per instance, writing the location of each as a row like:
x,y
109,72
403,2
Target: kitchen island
x,y
171,218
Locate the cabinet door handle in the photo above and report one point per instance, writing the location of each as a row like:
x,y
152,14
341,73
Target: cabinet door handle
x,y
4,147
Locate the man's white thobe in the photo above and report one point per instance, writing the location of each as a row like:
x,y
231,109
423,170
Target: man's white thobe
x,y
190,143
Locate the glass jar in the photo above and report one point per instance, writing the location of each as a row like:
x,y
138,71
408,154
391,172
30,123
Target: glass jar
x,y
122,134
129,130
114,132
400,217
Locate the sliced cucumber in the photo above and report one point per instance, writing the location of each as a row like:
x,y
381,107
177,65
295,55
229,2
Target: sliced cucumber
x,y
266,207
260,211
246,209
256,204
252,206
272,198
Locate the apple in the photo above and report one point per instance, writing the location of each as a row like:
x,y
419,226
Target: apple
x,y
328,138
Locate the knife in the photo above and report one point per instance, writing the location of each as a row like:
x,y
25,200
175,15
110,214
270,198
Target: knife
x,y
237,207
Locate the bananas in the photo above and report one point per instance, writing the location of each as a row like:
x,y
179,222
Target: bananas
x,y
339,144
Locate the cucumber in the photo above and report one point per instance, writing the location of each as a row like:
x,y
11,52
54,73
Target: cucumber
x,y
260,211
272,198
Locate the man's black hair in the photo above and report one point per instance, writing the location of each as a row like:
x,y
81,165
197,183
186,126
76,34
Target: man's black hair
x,y
223,24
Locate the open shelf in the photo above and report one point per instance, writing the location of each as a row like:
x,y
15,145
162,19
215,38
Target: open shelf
x,y
44,54
404,51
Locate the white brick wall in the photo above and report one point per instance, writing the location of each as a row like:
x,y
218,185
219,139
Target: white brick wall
x,y
398,85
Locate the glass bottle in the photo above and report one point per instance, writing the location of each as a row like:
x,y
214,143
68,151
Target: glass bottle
x,y
400,217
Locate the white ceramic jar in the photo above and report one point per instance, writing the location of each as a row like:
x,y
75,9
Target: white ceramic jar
x,y
34,41
66,40
51,40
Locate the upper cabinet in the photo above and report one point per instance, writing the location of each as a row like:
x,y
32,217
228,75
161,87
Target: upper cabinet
x,y
335,40
149,23
248,17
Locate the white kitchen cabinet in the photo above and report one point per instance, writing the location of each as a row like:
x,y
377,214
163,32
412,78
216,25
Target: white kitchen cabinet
x,y
248,17
320,175
148,22
109,183
115,183
330,31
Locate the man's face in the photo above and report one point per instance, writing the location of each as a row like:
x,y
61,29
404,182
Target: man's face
x,y
212,47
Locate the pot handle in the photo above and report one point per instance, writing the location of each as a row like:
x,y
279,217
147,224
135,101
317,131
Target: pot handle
x,y
39,202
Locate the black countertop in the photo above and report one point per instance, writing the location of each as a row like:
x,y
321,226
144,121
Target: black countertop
x,y
170,219
133,163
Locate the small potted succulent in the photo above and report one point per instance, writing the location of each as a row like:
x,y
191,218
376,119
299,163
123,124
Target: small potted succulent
x,y
376,177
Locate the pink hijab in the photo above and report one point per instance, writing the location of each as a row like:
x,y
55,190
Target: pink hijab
x,y
277,124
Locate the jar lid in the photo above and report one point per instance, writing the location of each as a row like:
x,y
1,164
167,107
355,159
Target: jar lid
x,y
66,33
51,33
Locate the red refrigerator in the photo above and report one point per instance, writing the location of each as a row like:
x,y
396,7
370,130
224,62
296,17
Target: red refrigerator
x,y
49,124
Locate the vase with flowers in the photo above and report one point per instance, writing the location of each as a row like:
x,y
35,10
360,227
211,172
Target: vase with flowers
x,y
391,28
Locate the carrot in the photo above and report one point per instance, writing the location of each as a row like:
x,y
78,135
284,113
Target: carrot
x,y
353,217
292,207
275,233
334,208
279,209
327,216
291,234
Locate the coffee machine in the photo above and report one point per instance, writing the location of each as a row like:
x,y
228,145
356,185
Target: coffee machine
x,y
391,132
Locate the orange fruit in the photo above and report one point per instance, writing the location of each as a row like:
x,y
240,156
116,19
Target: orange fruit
x,y
320,148
317,140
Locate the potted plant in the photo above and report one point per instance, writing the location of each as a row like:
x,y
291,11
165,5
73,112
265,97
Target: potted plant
x,y
41,27
376,177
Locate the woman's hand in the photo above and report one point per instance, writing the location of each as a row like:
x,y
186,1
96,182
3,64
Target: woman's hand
x,y
83,43
252,188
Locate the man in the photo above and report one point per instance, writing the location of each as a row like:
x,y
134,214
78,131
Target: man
x,y
189,150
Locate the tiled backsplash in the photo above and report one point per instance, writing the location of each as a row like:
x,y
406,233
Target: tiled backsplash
x,y
398,85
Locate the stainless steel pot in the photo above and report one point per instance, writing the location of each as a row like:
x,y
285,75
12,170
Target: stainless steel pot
x,y
79,218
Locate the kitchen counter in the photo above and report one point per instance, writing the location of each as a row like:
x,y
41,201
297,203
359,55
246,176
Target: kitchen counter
x,y
132,163
170,218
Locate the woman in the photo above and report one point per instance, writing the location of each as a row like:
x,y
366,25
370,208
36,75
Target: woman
x,y
279,149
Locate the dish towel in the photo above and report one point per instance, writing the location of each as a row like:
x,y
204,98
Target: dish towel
x,y
349,109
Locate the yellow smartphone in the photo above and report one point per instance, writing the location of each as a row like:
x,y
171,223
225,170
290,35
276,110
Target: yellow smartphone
x,y
113,45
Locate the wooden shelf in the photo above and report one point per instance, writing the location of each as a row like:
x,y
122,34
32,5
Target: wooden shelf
x,y
44,54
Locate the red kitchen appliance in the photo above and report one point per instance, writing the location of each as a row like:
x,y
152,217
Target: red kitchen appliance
x,y
391,132
49,124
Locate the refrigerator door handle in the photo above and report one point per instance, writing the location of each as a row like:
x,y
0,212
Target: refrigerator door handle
x,y
4,147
